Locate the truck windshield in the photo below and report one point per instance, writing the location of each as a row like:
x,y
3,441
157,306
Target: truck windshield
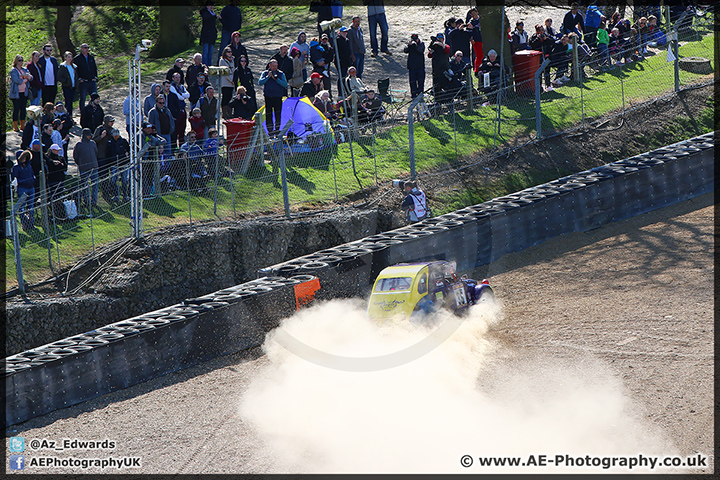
x,y
393,284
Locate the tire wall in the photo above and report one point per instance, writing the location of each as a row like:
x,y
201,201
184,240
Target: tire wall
x,y
125,353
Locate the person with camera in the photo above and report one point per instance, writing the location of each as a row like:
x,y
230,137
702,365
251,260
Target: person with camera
x,y
541,42
274,86
459,39
439,52
241,105
415,203
415,50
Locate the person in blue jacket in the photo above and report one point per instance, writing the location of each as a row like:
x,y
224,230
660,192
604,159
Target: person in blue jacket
x,y
274,86
23,173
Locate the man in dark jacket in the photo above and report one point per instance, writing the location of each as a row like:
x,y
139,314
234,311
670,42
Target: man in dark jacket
x,y
439,51
459,39
36,162
162,119
231,19
177,68
208,32
312,87
345,55
55,166
415,50
197,90
101,137
321,54
49,66
195,69
85,155
92,115
560,59
87,73
285,62
118,157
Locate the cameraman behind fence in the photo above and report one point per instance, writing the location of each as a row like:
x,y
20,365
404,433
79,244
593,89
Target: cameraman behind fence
x,y
415,203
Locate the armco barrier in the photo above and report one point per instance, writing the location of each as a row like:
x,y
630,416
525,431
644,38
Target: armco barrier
x,y
119,355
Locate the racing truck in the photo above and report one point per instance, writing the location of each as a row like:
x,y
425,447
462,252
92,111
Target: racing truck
x,y
405,290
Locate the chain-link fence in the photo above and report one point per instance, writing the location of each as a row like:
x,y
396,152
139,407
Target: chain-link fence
x,y
353,149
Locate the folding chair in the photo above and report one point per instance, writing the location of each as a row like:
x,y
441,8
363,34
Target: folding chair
x,y
386,96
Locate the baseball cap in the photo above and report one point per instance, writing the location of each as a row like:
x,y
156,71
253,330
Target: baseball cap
x,y
18,153
94,96
109,118
315,75
440,35
114,132
344,28
35,142
59,104
55,146
148,125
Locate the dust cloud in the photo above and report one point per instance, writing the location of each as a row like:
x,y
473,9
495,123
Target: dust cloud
x,y
463,397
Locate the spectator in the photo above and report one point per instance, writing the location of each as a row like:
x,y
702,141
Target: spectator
x,y
459,39
370,108
415,50
85,155
31,131
275,85
87,73
20,78
285,61
519,38
176,68
237,48
152,142
241,105
49,66
36,83
23,173
439,52
66,124
603,45
560,59
46,137
541,42
244,76
640,28
211,148
36,161
92,115
302,45
319,54
197,90
197,123
550,31
324,12
415,203
48,114
322,102
475,37
67,76
449,27
180,114
119,155
296,80
312,87
345,54
376,16
458,66
55,166
128,117
101,137
357,45
491,65
57,137
195,69
209,108
617,47
591,23
162,119
226,81
149,101
231,20
192,149
354,83
208,32
573,21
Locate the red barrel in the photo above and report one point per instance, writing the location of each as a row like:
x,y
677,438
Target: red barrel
x,y
239,133
525,64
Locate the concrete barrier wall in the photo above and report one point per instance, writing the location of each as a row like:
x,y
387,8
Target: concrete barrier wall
x,y
132,351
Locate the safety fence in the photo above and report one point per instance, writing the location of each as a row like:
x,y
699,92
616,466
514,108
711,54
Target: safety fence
x,y
256,173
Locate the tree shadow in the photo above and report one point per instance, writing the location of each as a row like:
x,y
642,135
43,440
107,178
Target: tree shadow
x,y
159,206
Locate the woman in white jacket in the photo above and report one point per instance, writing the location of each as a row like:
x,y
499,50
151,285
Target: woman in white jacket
x,y
227,86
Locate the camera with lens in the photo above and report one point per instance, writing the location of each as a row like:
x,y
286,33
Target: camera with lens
x,y
400,184
433,39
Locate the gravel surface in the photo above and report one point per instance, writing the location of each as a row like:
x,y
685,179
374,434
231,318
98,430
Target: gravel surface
x,y
613,323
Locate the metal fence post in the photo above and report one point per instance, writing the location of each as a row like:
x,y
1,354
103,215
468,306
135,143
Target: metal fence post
x,y
454,132
469,86
576,58
538,113
44,212
187,184
411,133
14,207
676,48
283,176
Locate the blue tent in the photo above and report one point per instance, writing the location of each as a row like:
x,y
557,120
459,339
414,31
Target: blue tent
x,y
307,120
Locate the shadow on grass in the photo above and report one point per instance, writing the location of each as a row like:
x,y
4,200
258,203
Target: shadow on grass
x,y
443,137
299,181
159,206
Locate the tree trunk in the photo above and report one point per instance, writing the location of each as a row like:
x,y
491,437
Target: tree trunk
x,y
175,35
62,30
491,17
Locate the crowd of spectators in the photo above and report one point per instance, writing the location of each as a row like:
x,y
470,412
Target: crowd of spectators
x,y
186,100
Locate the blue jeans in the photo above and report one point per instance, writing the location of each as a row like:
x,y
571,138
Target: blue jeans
x,y
92,176
374,21
359,63
167,151
417,82
29,205
207,51
224,42
85,88
36,100
69,95
604,53
122,174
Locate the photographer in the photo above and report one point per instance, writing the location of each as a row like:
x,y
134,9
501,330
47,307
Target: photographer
x,y
542,42
459,39
415,203
275,87
415,50
241,105
439,52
